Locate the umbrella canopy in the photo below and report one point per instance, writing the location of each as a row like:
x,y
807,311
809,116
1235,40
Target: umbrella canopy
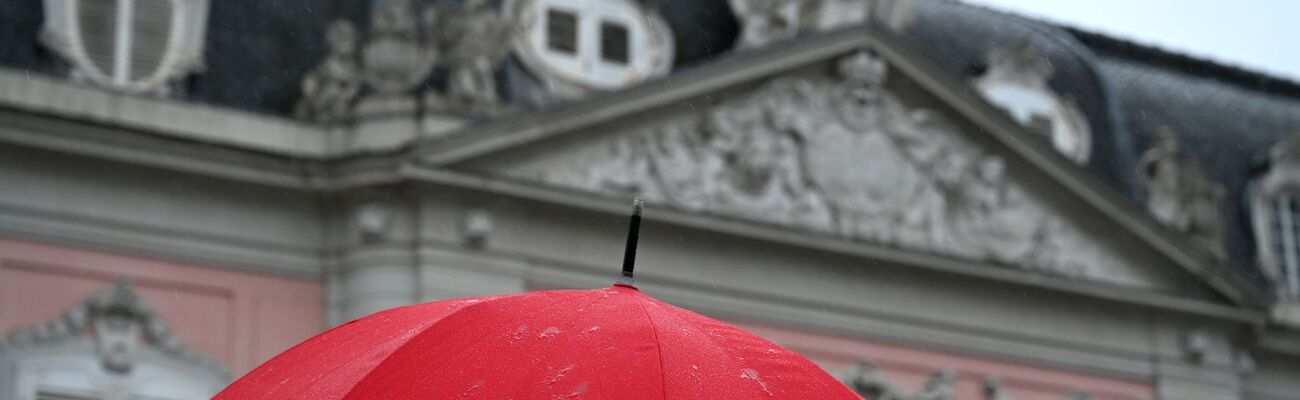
x,y
612,343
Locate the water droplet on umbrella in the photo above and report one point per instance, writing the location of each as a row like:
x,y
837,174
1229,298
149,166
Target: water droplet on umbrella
x,y
751,374
520,332
560,374
472,389
577,392
549,332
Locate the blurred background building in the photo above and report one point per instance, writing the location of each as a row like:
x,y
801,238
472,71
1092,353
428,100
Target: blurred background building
x,y
932,200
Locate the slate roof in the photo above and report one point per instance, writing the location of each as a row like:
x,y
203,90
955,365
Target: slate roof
x,y
1226,117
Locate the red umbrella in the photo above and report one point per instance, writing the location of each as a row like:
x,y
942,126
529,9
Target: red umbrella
x,y
612,343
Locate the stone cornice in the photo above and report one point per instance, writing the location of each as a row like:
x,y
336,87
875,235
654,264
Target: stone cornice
x,y
22,91
264,150
773,234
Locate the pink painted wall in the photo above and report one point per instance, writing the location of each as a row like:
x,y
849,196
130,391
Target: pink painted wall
x,y
912,367
239,318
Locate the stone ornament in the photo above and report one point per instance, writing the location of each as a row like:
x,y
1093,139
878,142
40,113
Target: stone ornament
x,y
329,90
838,155
372,222
1017,82
1179,195
111,345
476,228
166,40
767,21
120,323
1197,344
870,381
400,52
993,390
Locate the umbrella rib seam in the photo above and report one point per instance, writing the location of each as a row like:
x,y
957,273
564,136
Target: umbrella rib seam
x,y
659,348
484,300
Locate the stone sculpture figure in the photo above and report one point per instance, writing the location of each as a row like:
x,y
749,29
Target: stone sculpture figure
x,y
329,90
766,21
404,46
476,39
1178,194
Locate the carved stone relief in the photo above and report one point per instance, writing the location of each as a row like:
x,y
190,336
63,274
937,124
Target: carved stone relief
x,y
766,21
112,343
837,154
399,53
1179,195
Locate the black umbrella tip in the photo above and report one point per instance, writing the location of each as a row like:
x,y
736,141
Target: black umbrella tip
x,y
629,253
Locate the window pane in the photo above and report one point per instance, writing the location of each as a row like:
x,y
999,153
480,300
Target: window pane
x,y
98,24
151,31
561,31
613,43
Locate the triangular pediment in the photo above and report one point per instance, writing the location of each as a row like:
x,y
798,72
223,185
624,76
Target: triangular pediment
x,y
846,148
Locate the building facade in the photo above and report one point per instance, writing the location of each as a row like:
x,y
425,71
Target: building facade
x,y
929,199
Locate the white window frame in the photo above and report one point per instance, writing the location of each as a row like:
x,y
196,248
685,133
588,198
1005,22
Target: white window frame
x,y
182,56
1284,204
1278,251
649,43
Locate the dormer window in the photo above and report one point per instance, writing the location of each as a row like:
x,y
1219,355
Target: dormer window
x,y
577,45
1275,214
1284,242
127,45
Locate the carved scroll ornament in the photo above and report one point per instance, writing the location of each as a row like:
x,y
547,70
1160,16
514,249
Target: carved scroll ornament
x,y
119,322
